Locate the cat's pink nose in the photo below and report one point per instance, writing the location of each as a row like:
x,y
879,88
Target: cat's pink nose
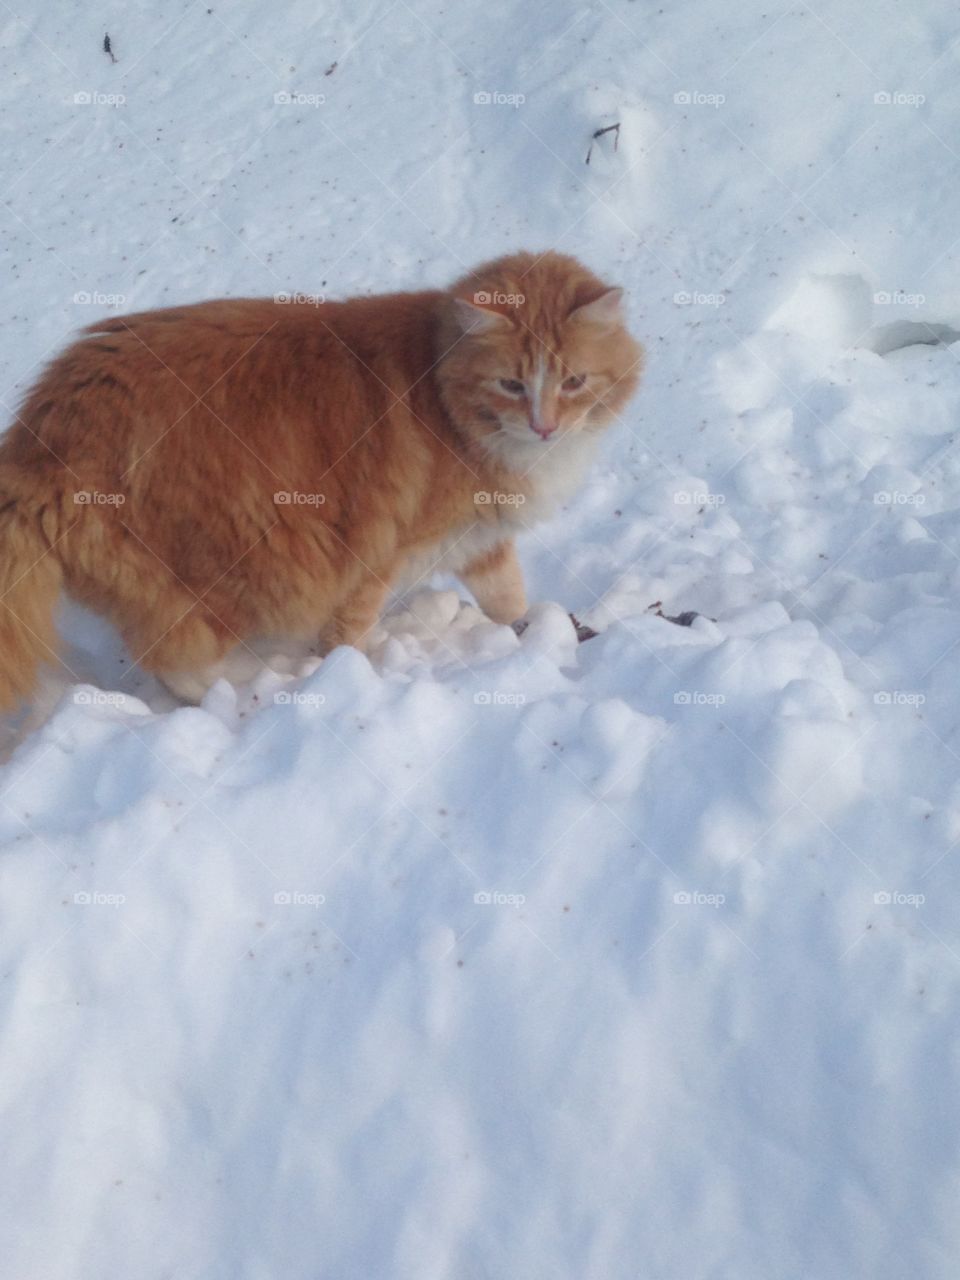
x,y
543,429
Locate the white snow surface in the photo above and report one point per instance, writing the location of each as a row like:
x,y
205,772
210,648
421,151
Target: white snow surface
x,y
491,957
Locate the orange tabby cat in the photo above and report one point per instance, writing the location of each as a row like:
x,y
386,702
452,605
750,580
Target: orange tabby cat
x,y
209,474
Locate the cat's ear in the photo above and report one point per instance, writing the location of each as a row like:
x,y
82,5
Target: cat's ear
x,y
605,312
478,320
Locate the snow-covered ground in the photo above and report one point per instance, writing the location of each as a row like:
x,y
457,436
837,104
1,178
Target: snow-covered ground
x,y
496,957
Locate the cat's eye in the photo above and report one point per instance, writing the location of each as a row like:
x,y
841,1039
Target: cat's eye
x,y
574,382
512,386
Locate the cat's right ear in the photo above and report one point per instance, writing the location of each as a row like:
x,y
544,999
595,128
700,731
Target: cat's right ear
x,y
478,320
605,312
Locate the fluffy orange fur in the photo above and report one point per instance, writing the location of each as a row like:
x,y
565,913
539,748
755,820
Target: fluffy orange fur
x,y
210,474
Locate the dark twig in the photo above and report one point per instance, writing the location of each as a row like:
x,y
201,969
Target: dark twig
x,y
598,133
680,619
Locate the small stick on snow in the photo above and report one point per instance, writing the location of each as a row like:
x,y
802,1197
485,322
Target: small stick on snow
x,y
598,133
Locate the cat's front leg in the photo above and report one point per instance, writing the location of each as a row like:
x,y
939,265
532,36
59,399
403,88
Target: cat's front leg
x,y
356,616
496,580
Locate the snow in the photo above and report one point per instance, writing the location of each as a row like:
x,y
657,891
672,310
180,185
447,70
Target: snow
x,y
494,956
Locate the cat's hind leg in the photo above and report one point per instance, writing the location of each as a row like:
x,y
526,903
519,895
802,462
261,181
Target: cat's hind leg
x,y
239,666
187,656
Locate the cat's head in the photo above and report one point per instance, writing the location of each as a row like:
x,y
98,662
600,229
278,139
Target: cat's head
x,y
534,349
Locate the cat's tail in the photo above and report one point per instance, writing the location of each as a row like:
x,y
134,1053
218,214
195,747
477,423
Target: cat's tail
x,y
30,581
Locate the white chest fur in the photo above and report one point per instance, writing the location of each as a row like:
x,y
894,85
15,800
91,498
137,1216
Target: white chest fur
x,y
547,474
550,473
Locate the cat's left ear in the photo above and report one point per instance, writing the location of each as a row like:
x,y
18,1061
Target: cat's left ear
x,y
478,320
605,312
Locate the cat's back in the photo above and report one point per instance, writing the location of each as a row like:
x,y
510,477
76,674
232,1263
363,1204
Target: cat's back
x,y
135,374
369,328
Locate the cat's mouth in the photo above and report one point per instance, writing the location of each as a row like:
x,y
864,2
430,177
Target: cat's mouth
x,y
512,429
503,434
